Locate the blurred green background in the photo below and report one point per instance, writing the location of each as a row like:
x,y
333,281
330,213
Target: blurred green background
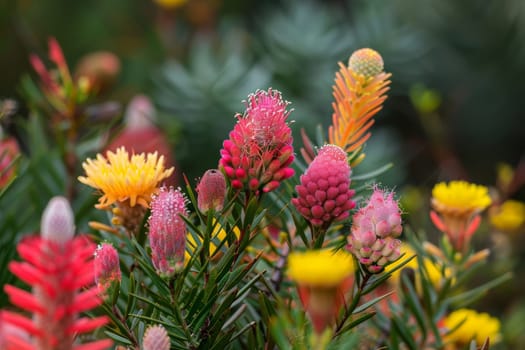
x,y
198,61
455,109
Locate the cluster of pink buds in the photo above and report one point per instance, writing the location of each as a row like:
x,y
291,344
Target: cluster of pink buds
x,y
375,228
324,195
167,231
259,151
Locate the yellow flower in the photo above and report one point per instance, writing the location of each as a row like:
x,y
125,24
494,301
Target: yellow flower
x,y
460,197
217,236
170,4
434,272
323,279
478,326
121,178
324,268
509,216
457,206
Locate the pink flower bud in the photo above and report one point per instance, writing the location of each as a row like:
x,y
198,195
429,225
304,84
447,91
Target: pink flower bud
x,y
107,266
211,191
374,229
167,231
57,222
324,194
156,338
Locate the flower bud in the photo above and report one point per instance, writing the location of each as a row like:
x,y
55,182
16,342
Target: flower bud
x,y
374,229
366,62
211,191
324,194
57,222
107,267
156,338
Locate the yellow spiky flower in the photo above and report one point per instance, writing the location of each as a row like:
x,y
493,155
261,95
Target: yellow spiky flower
x,y
359,93
123,178
473,325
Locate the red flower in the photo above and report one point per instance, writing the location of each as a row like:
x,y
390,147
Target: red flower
x,y
61,275
259,151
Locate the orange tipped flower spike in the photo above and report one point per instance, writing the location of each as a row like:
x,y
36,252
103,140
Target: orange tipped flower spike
x,y
359,93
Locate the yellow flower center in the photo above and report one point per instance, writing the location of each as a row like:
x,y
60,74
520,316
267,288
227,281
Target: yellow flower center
x,y
460,197
324,268
121,177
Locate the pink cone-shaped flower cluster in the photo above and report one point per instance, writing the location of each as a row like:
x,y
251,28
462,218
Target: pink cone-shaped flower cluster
x,y
156,338
107,267
374,231
259,151
60,270
324,195
211,191
167,231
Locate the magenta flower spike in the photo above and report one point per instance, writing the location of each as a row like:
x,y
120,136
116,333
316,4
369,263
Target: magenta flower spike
x,y
324,194
167,231
375,228
259,151
211,191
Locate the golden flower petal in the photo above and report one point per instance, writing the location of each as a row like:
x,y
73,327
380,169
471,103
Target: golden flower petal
x,y
120,177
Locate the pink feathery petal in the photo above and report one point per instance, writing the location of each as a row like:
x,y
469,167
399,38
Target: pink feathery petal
x,y
55,53
86,300
21,322
26,273
436,220
23,299
473,226
16,342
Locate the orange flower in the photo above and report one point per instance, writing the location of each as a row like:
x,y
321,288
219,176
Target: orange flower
x,y
359,93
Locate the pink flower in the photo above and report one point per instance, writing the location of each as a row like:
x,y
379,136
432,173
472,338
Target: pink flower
x,y
211,191
156,338
259,150
107,267
167,231
374,231
324,195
